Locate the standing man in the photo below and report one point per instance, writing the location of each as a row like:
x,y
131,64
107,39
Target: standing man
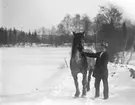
x,y
101,70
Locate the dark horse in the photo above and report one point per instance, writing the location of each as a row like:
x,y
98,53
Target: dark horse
x,y
79,64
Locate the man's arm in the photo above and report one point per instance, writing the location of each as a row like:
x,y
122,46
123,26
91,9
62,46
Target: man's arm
x,y
93,55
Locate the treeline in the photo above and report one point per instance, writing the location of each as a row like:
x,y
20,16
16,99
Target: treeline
x,y
108,25
119,33
13,37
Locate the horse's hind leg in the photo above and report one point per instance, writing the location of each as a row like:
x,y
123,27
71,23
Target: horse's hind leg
x,y
76,85
84,83
89,78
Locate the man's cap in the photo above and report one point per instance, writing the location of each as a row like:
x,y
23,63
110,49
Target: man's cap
x,y
104,44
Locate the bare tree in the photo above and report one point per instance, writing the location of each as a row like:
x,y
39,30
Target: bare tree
x,y
130,52
111,14
86,24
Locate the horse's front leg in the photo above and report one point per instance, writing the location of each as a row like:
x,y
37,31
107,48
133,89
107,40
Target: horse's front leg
x,y
84,83
76,85
89,78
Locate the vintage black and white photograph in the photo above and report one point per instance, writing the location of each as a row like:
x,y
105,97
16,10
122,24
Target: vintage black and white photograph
x,y
67,52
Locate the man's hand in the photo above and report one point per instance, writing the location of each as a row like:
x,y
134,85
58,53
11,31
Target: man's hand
x,y
82,52
80,49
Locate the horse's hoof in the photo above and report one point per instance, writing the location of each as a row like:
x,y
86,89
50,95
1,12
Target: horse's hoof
x,y
83,95
105,98
76,95
96,96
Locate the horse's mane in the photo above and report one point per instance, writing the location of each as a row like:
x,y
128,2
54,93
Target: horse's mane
x,y
73,50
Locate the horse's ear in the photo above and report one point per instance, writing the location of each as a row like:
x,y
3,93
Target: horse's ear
x,y
74,33
83,33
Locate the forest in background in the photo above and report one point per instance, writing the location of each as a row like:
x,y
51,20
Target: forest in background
x,y
108,25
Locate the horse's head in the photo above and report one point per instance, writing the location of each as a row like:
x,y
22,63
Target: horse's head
x,y
78,39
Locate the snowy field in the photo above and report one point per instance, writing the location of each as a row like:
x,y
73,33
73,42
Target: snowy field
x,y
40,76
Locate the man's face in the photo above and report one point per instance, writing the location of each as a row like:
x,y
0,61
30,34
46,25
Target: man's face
x,y
98,48
102,48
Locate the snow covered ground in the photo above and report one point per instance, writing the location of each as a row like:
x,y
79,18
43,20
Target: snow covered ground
x,y
39,76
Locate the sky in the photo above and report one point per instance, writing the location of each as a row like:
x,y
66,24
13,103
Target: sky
x,y
128,7
0,12
34,14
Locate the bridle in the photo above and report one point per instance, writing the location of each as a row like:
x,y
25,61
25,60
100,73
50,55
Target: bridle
x,y
80,47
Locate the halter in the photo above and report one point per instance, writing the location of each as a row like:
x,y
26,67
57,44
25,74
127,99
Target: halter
x,y
80,47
